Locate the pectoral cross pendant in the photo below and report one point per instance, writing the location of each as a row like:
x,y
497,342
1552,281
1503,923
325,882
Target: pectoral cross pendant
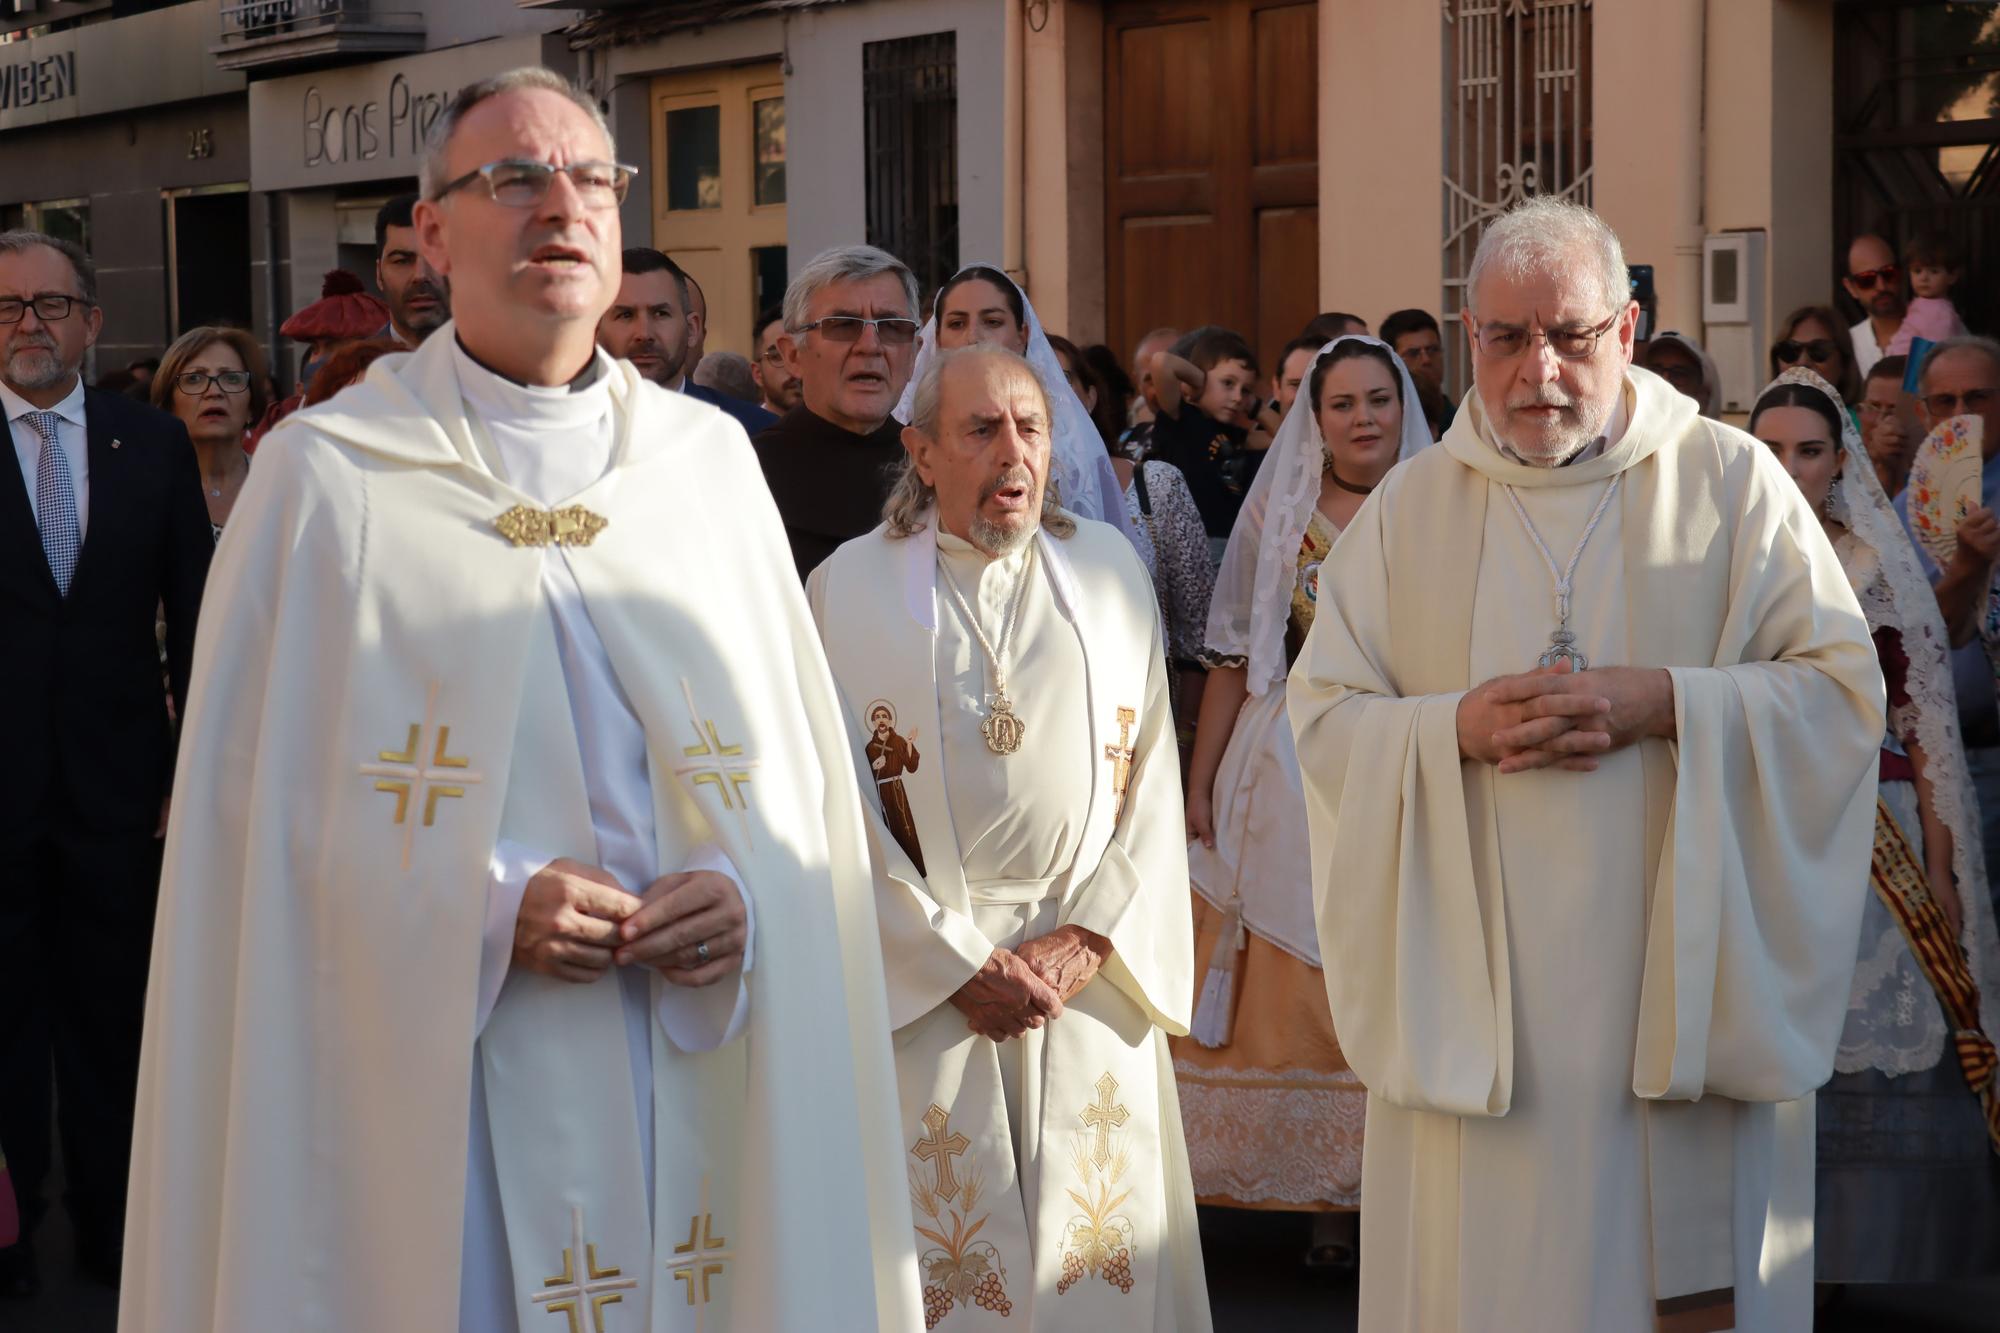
x,y
1562,643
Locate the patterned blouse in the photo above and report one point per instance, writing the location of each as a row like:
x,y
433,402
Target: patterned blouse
x,y
1174,546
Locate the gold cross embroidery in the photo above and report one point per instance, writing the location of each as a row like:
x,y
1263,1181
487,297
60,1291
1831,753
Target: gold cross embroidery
x,y
572,526
567,1294
936,1147
1121,756
706,1256
1104,1115
412,782
712,763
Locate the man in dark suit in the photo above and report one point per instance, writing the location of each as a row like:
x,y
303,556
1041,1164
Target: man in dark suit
x,y
102,527
648,325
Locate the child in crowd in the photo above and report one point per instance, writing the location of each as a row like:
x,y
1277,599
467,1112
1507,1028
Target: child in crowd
x,y
1206,392
1935,268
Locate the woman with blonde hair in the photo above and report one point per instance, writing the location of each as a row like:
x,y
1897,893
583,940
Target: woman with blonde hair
x,y
213,379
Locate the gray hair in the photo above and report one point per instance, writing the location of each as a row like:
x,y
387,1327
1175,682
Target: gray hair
x,y
16,241
726,372
1963,343
845,263
909,504
528,78
1548,237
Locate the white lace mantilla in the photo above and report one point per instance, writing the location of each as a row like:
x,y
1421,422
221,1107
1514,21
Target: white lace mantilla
x,y
1269,1136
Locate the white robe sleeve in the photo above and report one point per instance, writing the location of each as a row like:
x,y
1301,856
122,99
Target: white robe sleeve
x,y
1414,946
1137,895
1757,902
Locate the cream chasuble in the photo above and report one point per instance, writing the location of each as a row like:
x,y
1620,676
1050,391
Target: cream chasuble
x,y
400,690
1048,1174
1590,1008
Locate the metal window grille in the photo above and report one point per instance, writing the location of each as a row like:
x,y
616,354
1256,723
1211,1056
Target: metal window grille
x,y
910,91
1517,123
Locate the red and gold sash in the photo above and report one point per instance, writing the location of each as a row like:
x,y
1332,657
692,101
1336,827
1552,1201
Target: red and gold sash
x,y
1901,885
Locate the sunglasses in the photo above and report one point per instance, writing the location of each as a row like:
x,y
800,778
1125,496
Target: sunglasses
x,y
1868,279
1792,350
893,332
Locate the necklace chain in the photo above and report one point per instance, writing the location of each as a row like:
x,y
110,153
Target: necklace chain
x,y
1564,641
998,657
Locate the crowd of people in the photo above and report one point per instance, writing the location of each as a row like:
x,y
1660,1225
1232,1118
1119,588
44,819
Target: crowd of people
x,y
1010,794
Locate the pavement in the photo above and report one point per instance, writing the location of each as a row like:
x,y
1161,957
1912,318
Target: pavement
x,y
1255,1279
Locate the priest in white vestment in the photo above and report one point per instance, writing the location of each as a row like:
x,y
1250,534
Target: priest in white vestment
x,y
1033,881
517,966
1588,723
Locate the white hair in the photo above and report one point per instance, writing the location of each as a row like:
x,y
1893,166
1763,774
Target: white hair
x,y
1986,347
431,172
846,263
910,499
1553,238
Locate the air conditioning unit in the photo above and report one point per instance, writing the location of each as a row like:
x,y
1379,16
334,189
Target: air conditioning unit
x,y
1733,313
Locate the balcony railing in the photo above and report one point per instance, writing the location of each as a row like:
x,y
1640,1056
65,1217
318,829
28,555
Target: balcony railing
x,y
261,34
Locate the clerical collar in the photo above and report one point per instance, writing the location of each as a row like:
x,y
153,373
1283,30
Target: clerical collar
x,y
592,372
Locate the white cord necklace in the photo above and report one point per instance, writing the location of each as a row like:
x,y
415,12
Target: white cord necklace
x,y
1001,728
1562,643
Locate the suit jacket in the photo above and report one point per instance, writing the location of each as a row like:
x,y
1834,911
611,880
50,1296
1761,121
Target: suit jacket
x,y
753,417
90,738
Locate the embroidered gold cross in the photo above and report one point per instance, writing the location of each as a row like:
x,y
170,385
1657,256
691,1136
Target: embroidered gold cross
x,y
1121,756
712,763
935,1147
1104,1115
572,526
412,781
568,1294
707,1255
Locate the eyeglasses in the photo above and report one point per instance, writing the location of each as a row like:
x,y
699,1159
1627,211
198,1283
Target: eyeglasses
x,y
1871,410
1972,403
773,355
1868,279
1819,349
894,332
521,184
195,383
48,307
1503,342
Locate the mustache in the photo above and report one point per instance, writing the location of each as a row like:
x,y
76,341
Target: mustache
x,y
1546,396
22,342
1013,476
423,287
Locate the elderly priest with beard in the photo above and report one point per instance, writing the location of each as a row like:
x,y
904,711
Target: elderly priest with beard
x,y
517,967
1588,723
1032,890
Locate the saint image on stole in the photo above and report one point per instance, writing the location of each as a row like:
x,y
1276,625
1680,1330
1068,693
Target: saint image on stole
x,y
889,757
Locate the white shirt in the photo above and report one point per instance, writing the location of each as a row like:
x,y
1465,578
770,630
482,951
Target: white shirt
x,y
70,436
1866,350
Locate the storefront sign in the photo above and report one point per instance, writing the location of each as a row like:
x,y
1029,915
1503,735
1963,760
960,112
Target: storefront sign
x,y
141,60
368,122
33,82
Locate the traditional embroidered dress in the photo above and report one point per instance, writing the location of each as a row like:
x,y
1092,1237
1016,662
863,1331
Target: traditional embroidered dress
x,y
1901,1134
1048,1173
1605,997
1274,1113
439,657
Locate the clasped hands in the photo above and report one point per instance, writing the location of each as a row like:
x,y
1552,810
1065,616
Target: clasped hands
x,y
1553,717
1018,989
576,921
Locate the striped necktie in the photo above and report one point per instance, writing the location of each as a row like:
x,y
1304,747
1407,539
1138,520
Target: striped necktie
x,y
55,502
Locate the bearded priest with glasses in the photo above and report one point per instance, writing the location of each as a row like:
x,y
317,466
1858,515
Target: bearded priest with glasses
x,y
517,964
1588,724
849,338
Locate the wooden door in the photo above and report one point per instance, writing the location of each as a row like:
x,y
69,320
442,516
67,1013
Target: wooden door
x,y
718,190
1211,129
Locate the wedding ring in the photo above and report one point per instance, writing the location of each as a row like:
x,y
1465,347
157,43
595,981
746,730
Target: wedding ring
x,y
701,951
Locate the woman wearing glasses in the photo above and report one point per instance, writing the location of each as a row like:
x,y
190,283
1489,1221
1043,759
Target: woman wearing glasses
x,y
212,378
1814,337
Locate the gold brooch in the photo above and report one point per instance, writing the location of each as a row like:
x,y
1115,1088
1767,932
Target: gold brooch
x,y
574,526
